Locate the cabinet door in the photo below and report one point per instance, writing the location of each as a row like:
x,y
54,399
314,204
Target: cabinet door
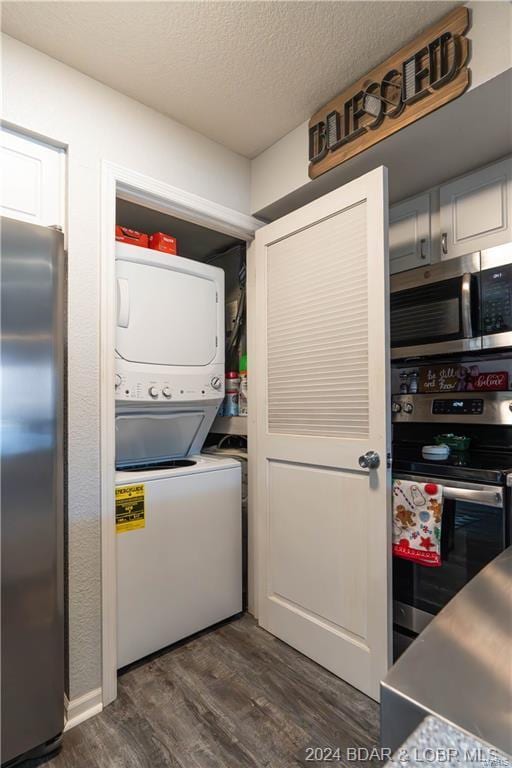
x,y
32,186
409,234
476,211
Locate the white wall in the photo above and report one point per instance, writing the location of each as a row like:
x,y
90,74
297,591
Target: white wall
x,y
283,168
46,97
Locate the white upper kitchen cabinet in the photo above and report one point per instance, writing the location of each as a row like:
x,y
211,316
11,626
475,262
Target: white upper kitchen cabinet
x,y
409,234
476,210
32,185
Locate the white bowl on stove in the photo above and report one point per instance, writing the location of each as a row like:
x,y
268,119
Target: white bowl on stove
x,y
435,452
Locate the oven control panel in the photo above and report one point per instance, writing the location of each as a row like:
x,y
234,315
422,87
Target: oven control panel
x,y
458,407
493,407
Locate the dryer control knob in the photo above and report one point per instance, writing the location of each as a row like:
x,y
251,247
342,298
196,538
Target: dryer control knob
x,y
216,382
153,392
166,392
118,380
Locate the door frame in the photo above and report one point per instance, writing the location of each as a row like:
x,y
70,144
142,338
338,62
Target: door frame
x,y
118,181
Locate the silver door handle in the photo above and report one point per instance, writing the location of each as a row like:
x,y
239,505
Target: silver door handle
x,y
490,498
444,243
423,255
369,460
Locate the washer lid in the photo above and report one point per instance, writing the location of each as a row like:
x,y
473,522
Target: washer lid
x,y
201,465
165,316
149,437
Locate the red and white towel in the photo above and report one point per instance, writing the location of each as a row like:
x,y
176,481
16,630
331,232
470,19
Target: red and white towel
x,y
417,515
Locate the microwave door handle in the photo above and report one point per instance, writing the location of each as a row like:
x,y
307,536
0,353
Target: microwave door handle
x,y
467,326
123,302
490,498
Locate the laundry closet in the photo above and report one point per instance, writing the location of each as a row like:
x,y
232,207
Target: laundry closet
x,y
196,544
181,513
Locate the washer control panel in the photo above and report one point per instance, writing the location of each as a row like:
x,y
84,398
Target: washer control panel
x,y
149,388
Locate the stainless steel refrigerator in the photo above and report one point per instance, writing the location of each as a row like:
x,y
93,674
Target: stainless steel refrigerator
x,y
32,488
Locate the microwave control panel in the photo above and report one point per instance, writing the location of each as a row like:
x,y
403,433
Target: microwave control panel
x,y
496,309
455,407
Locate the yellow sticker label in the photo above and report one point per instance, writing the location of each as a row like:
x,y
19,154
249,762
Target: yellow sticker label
x,y
130,508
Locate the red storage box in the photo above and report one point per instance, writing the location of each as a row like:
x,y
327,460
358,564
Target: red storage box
x,y
159,241
125,235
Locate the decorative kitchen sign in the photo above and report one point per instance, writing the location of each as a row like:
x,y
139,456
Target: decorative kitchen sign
x,y
460,378
419,78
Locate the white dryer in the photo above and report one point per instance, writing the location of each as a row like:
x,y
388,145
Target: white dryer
x,y
169,353
179,564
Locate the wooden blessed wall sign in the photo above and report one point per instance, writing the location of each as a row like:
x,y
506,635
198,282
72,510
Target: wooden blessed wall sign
x,y
421,77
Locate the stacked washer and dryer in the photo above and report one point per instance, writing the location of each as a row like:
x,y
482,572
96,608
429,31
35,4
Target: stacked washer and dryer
x,y
180,569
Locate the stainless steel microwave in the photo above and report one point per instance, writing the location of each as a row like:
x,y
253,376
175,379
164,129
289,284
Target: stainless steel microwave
x,y
459,305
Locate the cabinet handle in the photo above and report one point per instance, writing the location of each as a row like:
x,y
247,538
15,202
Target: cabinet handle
x,y
423,255
444,243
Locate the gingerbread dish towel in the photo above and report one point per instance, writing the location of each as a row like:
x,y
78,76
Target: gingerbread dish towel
x,y
417,514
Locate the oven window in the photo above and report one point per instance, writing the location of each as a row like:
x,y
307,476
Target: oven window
x,y
471,536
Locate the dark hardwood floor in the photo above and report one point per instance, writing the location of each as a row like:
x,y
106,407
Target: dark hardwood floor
x,y
235,697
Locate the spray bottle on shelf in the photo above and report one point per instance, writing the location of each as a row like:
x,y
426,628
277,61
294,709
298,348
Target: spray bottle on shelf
x,y
242,401
232,394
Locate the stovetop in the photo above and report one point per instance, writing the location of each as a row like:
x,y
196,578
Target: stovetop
x,y
484,466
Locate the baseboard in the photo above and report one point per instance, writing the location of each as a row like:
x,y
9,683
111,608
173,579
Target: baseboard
x,y
82,708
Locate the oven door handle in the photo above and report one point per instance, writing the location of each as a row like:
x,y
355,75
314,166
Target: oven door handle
x,y
467,325
490,498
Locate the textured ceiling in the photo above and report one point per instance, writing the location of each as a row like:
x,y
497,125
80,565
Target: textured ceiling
x,y
242,73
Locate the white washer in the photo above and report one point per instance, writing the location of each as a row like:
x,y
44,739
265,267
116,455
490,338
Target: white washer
x,y
182,572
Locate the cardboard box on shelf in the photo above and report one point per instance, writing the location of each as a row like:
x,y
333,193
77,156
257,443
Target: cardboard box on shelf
x,y
159,241
125,235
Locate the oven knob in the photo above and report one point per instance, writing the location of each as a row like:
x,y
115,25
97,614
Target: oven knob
x,y
216,382
396,407
118,380
407,407
153,392
166,392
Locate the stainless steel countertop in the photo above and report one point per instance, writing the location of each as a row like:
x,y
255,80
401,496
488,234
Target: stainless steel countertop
x,y
460,667
438,744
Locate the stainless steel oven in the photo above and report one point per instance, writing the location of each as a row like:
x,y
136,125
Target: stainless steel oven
x,y
477,495
434,310
473,532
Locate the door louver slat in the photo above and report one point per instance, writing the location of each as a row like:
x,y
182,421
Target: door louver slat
x,y
317,336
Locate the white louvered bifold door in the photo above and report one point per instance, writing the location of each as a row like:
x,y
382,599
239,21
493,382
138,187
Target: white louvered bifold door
x,y
319,401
